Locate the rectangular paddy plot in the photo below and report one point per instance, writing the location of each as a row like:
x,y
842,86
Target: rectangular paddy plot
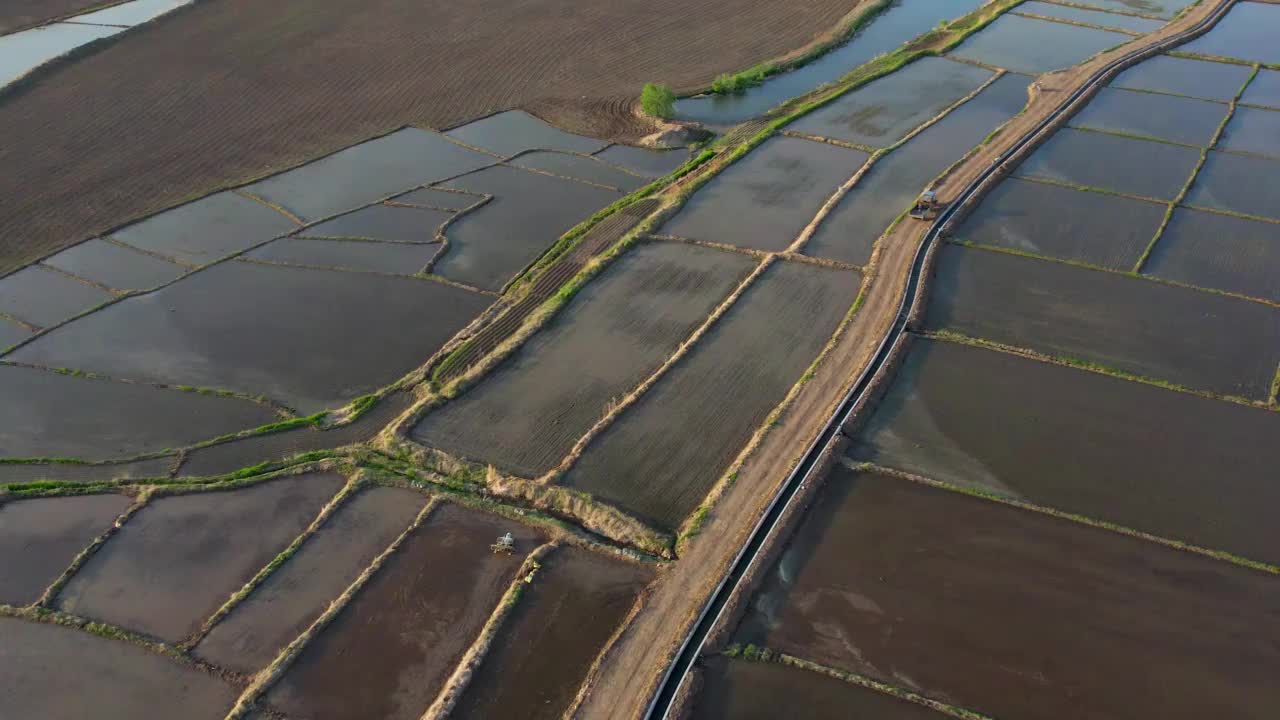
x,y
528,213
1154,8
1126,165
735,689
45,297
49,671
115,266
570,611
313,339
387,653
720,393
1199,340
619,328
580,168
367,172
179,558
1253,130
765,199
384,257
130,13
508,133
11,333
297,593
386,222
1184,76
887,109
1238,184
1169,463
1219,251
39,538
1040,617
1060,222
643,161
850,232
1263,90
1248,32
27,472
1031,46
50,414
1113,21
437,199
1152,115
206,230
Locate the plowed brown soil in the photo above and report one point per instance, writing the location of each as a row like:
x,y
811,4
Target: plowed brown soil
x,y
229,90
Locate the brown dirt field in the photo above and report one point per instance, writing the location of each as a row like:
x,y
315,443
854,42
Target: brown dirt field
x,y
631,672
230,90
18,15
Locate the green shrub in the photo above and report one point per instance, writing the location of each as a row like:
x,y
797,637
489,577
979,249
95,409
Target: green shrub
x,y
658,100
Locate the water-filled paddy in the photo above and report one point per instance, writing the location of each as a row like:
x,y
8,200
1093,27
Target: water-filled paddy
x,y
11,333
1248,32
720,394
1238,183
399,258
1156,8
580,168
1084,443
1219,251
367,172
528,213
179,558
22,52
618,329
849,233
1137,167
385,222
389,651
1097,18
1200,340
297,593
765,199
1264,90
206,230
1060,222
1184,76
650,163
21,473
40,537
507,133
129,13
885,110
1253,130
313,339
114,266
437,198
49,414
41,296
1032,46
1015,613
575,604
893,27
1152,115
47,671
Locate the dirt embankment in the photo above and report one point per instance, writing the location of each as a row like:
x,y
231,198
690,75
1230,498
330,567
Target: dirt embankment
x,y
230,90
628,678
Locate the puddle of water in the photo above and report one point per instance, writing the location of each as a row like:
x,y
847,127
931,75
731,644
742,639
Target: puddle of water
x,y
22,52
1237,183
392,648
1220,251
11,333
39,538
60,672
1063,223
45,297
885,33
1035,46
528,214
1264,90
1089,17
1248,32
313,339
720,393
114,266
1084,443
581,168
885,110
529,413
849,233
650,163
292,598
179,558
1163,117
765,199
1253,130
207,230
1182,76
131,13
1044,618
438,199
385,222
575,604
507,133
1158,8
1139,167
348,254
367,172
68,472
1195,339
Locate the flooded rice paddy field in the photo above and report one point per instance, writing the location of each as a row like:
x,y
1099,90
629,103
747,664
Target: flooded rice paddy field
x,y
1095,17
1220,251
397,258
1185,76
579,167
40,537
1253,130
1247,33
1152,115
1241,184
23,473
1130,166
1026,45
1264,90
389,223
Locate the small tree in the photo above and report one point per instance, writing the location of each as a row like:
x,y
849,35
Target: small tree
x,y
658,100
